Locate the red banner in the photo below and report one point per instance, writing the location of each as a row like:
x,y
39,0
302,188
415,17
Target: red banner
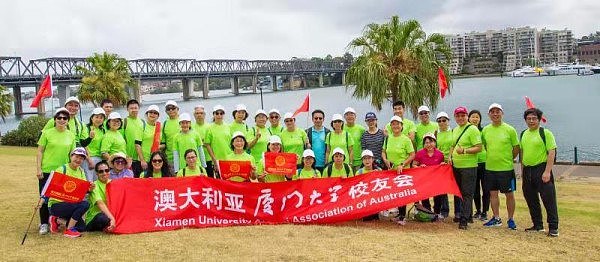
x,y
229,169
281,163
142,205
65,188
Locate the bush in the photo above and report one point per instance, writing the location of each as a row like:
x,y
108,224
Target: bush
x,y
27,134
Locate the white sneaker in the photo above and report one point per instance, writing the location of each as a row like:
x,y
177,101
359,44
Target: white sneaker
x,y
44,229
400,221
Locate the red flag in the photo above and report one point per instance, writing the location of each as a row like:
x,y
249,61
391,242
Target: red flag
x,y
156,140
45,91
530,104
66,188
229,169
442,83
281,163
304,107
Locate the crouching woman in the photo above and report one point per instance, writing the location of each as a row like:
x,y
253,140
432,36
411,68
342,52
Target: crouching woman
x,y
98,217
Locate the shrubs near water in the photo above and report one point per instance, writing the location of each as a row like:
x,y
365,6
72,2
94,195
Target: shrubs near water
x,y
27,134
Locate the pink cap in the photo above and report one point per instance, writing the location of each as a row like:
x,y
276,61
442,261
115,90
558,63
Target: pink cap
x,y
461,109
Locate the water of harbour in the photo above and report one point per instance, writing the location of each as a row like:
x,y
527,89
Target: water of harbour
x,y
570,104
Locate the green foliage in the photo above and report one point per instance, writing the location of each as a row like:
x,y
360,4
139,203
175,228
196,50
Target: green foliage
x,y
398,59
27,134
107,77
5,102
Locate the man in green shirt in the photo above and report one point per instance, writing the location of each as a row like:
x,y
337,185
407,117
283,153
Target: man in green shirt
x,y
133,130
274,120
201,127
500,141
75,125
408,126
463,157
425,126
356,131
538,152
170,128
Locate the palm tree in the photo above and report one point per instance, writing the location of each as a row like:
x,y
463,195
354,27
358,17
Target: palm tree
x,y
5,103
397,59
107,77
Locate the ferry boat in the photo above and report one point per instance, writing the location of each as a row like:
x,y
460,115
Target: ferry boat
x,y
526,71
569,69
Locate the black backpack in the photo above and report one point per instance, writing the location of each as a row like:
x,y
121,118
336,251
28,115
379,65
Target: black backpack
x,y
329,169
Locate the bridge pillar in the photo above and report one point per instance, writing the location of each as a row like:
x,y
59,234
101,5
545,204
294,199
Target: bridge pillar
x,y
254,83
344,79
274,82
303,81
290,82
321,80
135,92
188,88
18,103
205,87
235,85
63,93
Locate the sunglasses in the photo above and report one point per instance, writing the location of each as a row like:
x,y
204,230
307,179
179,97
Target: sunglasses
x,y
219,113
103,171
171,108
274,117
424,113
191,157
153,112
442,120
317,118
288,121
62,118
157,161
120,162
338,121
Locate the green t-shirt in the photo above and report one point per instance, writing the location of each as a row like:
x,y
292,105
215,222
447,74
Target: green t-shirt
x,y
444,142
534,150
99,194
77,173
261,144
240,157
219,138
362,171
201,130
133,129
398,149
499,142
356,133
57,148
94,145
422,130
275,130
184,141
241,127
293,142
79,130
170,128
342,140
113,142
335,172
198,171
407,127
146,141
306,174
470,138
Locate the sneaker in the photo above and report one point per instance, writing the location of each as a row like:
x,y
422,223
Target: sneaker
x,y
553,233
400,221
71,232
494,222
53,224
511,224
470,220
463,225
477,215
534,229
43,229
456,219
483,217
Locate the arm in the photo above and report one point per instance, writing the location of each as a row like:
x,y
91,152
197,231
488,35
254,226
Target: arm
x,y
38,161
138,150
384,158
211,153
549,164
176,159
327,151
107,212
516,150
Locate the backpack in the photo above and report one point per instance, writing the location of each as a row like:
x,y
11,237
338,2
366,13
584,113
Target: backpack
x,y
543,136
422,214
347,169
309,133
328,137
314,172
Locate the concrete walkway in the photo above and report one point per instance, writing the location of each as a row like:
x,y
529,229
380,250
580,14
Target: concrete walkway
x,y
576,172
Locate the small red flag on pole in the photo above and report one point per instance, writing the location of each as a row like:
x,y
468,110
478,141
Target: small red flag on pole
x,y
442,83
45,91
304,107
530,104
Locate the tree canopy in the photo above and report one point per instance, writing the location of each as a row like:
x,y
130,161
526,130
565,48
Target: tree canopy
x,y
5,102
107,77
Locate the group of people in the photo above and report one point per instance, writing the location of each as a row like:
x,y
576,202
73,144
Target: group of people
x,y
111,147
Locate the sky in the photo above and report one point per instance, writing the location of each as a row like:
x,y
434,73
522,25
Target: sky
x,y
254,29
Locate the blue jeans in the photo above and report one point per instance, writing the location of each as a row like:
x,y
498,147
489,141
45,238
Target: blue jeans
x,y
73,211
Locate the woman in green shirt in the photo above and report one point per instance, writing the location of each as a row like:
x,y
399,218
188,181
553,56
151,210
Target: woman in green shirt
x,y
239,145
150,140
258,136
274,146
340,138
218,138
113,140
240,114
99,217
482,196
160,166
368,163
192,168
308,169
96,133
294,139
186,139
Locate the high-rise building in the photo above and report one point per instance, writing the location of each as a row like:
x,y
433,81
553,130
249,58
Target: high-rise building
x,y
556,46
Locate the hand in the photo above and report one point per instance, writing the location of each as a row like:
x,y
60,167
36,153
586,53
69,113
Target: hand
x,y
399,169
262,176
387,164
92,134
422,165
144,165
546,177
39,175
92,186
449,161
443,163
257,135
111,225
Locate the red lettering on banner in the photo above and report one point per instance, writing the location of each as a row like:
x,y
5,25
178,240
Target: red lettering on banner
x,y
142,205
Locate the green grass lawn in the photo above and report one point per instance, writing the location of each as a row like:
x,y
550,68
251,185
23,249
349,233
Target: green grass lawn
x,y
379,240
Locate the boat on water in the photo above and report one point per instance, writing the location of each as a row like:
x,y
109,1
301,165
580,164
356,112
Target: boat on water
x,y
526,71
596,69
569,69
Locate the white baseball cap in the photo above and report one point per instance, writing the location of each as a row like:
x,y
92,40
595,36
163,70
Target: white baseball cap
x,y
171,103
349,110
260,111
396,118
274,139
98,111
114,115
218,107
366,152
423,108
198,106
237,133
430,135
72,99
240,107
152,108
79,151
442,114
338,150
495,105
62,109
308,152
274,111
288,115
185,117
336,117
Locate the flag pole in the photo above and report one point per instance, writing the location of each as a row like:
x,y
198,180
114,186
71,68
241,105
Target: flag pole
x,y
35,209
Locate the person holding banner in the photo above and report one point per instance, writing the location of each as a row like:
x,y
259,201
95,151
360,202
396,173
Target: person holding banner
x,y
368,163
259,136
239,145
98,217
160,166
119,166
273,146
71,212
150,140
308,169
192,168
54,147
339,167
72,105
113,140
293,138
430,156
186,139
339,138
218,137
96,133
444,143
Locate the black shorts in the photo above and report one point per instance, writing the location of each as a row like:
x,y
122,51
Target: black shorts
x,y
503,181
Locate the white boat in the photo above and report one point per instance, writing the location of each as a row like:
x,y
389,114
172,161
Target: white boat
x,y
596,69
569,69
526,71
